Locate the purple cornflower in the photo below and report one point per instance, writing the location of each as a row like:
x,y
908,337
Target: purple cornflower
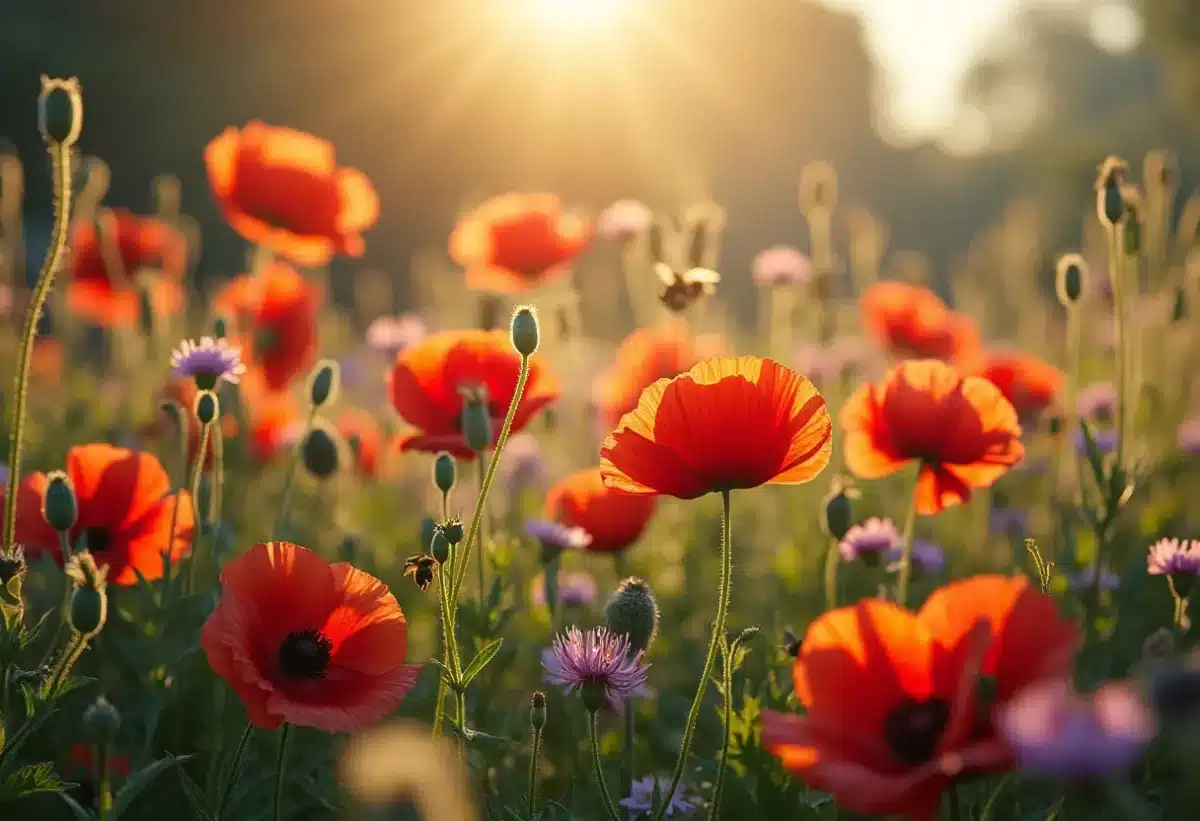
x,y
1085,578
781,265
208,362
557,535
1174,557
1058,734
926,556
624,220
521,462
1009,521
392,334
641,797
1188,437
1098,401
869,540
598,664
1105,439
575,589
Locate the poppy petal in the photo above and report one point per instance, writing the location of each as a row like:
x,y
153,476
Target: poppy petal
x,y
285,587
222,638
368,629
359,200
362,703
117,482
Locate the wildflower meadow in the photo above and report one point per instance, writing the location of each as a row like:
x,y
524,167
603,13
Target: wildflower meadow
x,y
883,553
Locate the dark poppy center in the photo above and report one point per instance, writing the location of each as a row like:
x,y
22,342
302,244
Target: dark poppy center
x,y
305,654
913,729
99,539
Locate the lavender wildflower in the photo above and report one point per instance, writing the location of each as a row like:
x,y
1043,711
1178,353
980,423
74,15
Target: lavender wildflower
x,y
870,540
926,556
575,589
392,334
641,797
1084,579
1098,401
1008,521
779,266
555,536
208,362
1174,557
1188,437
1106,441
598,665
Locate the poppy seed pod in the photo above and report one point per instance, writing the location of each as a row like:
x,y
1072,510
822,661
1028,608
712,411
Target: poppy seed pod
x,y
89,600
444,471
101,722
1071,279
537,712
60,111
476,423
439,547
1110,199
818,187
838,510
428,526
320,453
453,531
326,379
632,611
208,407
524,331
220,327
60,508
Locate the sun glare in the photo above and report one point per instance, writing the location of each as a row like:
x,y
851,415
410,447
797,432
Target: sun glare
x,y
576,14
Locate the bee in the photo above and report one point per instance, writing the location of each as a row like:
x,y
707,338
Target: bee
x,y
682,288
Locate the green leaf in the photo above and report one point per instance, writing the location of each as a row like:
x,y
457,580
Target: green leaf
x,y
139,781
79,812
989,808
22,735
447,676
193,791
481,661
475,735
29,780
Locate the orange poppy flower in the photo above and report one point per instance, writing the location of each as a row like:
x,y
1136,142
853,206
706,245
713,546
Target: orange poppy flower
x,y
306,642
283,189
361,432
125,508
428,379
963,431
516,242
1030,384
613,520
729,422
913,321
274,421
893,715
276,314
107,255
646,355
84,759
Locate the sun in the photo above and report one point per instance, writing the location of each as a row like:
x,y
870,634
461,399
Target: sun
x,y
576,14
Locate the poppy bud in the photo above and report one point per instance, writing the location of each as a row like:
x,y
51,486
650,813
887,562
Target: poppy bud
x,y
632,611
89,600
208,407
593,695
220,327
12,564
101,722
320,453
537,713
453,531
323,387
428,526
350,548
1110,200
524,331
439,547
1071,279
60,111
444,472
838,510
818,187
59,507
476,423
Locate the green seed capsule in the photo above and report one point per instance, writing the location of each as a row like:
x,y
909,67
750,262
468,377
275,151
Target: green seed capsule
x,y
632,611
59,506
524,331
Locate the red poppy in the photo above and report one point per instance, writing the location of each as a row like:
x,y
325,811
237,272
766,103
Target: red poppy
x,y
106,258
125,511
516,242
614,520
913,321
361,432
1030,384
83,757
646,355
276,314
893,714
274,420
283,189
963,431
429,377
729,422
306,642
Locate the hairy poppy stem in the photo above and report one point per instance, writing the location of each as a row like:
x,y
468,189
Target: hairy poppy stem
x,y
197,472
1070,459
629,740
235,770
533,774
104,796
60,158
64,608
910,527
610,806
450,659
714,810
181,419
281,772
832,559
955,805
216,476
1116,261
480,552
285,503
718,636
66,662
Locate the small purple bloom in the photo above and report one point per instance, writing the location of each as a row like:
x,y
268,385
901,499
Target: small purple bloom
x,y
596,657
1105,439
392,334
1010,521
555,534
1174,557
641,797
624,220
575,589
869,540
521,462
1058,734
1188,437
926,556
781,265
1098,401
208,361
824,364
1085,578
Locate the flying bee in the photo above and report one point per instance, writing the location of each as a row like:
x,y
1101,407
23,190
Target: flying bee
x,y
682,288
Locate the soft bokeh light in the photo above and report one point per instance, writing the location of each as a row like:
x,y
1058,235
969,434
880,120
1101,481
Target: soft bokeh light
x,y
578,16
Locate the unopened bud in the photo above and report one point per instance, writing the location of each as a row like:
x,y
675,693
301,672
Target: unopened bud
x,y
59,506
89,600
837,512
101,722
60,111
476,423
208,407
818,187
444,471
632,611
323,387
221,327
428,526
1110,201
320,452
1071,279
524,331
454,531
439,547
537,713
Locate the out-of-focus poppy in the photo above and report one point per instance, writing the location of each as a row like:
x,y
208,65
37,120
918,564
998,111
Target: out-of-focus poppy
x,y
728,423
646,355
428,380
614,520
276,313
84,759
125,510
283,189
47,361
106,257
361,432
962,430
306,642
1030,384
893,712
516,242
274,419
911,320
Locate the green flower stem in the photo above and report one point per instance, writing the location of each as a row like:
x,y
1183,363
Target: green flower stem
x,y
480,551
235,770
450,659
718,636
955,804
910,527
1116,257
66,662
832,559
60,157
64,607
220,697
610,806
727,718
1067,448
281,772
460,699
289,479
217,475
104,796
197,516
1092,599
629,741
533,773
182,419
